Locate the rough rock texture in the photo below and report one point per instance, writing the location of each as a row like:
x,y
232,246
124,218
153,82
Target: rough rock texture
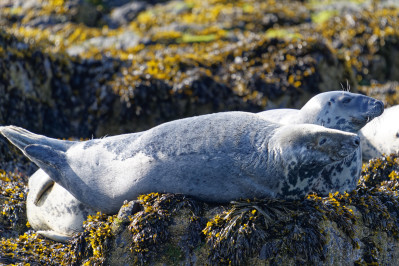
x,y
74,68
171,59
360,227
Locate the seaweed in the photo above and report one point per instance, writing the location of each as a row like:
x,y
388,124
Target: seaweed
x,y
150,226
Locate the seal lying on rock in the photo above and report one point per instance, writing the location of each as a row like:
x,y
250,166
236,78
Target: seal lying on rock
x,y
217,157
337,110
381,136
52,210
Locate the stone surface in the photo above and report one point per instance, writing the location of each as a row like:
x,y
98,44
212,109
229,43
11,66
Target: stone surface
x,y
196,58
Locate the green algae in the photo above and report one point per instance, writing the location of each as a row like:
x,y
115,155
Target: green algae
x,y
323,16
187,38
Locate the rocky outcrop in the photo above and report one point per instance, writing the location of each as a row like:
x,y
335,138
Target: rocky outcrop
x,y
359,227
92,68
64,79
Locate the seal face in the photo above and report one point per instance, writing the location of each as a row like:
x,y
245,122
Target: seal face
x,y
337,110
52,210
218,158
381,136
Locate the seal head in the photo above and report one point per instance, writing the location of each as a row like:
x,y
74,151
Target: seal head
x,y
306,153
341,110
337,110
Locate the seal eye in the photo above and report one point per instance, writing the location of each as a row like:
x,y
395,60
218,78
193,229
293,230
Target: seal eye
x,y
322,141
397,134
346,100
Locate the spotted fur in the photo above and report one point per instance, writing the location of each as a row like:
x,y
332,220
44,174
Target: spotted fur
x,y
340,110
217,158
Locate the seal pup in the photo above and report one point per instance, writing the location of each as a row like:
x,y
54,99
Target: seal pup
x,y
337,110
216,158
381,136
52,211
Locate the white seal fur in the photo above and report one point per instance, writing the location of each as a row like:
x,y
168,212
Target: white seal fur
x,y
52,211
381,136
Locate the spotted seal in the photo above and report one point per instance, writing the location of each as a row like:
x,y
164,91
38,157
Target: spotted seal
x,y
337,110
381,136
217,158
52,210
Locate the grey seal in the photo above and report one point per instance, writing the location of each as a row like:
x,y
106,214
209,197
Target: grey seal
x,y
381,136
52,211
337,110
216,158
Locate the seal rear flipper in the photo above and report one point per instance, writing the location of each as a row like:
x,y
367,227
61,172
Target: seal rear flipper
x,y
21,138
48,159
55,236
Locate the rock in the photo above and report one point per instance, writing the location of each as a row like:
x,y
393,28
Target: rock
x,y
123,15
387,92
352,228
125,40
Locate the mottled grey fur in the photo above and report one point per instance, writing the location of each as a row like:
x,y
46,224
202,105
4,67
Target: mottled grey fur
x,y
381,136
337,110
218,158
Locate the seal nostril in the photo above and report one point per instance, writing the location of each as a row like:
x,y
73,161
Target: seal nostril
x,y
379,105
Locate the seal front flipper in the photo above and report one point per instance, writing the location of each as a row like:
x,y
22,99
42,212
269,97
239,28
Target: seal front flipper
x,y
21,138
48,183
55,236
48,159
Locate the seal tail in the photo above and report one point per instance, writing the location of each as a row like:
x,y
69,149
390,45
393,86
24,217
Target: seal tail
x,y
22,138
48,159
